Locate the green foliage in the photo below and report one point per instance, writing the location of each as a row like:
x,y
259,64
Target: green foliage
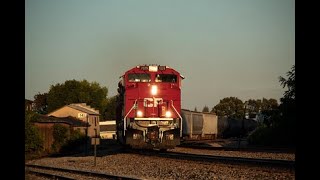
x,y
269,104
41,104
31,116
235,108
60,136
231,107
287,120
281,122
290,83
205,109
110,110
262,105
267,107
73,91
262,136
271,136
195,109
288,103
33,140
77,139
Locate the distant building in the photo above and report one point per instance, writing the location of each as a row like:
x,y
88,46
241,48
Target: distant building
x,y
45,125
259,117
28,105
108,129
83,112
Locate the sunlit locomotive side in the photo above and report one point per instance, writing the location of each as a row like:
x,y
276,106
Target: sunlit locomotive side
x,y
149,107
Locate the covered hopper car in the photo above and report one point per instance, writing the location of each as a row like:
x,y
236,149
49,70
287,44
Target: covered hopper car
x,y
199,125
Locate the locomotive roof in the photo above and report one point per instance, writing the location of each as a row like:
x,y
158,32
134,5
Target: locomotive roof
x,y
152,68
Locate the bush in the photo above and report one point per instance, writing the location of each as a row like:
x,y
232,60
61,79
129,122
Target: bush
x,y
260,136
77,139
271,136
33,140
60,135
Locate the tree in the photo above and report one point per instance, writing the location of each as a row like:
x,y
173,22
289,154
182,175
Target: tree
x,y
230,106
41,104
290,83
270,111
281,129
255,105
110,111
72,91
288,102
33,140
259,105
267,107
269,104
286,122
205,109
60,136
195,109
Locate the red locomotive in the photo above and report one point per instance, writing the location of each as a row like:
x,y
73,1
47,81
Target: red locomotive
x,y
148,112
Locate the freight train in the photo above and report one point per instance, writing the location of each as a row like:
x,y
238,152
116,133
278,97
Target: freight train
x,y
230,127
199,125
148,111
208,126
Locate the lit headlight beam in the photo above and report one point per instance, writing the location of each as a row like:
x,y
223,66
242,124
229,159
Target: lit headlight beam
x,y
154,90
168,114
139,113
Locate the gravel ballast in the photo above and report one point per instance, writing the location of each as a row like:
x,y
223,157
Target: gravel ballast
x,y
146,167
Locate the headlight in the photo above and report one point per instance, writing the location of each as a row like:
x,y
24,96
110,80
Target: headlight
x,y
168,114
139,113
154,90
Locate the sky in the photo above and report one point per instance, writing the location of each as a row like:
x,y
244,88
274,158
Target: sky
x,y
223,48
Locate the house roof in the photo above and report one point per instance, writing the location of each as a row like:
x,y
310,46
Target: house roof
x,y
68,120
82,107
28,101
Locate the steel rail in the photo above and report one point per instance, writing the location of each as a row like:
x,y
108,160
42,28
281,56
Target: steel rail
x,y
82,172
224,159
49,175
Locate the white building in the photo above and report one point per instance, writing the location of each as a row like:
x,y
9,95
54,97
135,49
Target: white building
x,y
108,129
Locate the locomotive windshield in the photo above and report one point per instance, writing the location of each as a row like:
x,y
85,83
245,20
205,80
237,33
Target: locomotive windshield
x,y
141,77
166,78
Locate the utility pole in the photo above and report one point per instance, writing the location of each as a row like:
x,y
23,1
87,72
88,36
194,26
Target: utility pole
x,y
86,143
242,124
95,146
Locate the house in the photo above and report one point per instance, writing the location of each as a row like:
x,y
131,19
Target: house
x,y
83,112
46,124
28,105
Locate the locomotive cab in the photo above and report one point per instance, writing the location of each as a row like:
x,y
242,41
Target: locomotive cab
x,y
149,107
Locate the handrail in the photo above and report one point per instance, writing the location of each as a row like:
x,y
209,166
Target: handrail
x,y
125,118
179,116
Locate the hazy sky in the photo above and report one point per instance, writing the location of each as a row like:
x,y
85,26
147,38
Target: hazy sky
x,y
223,47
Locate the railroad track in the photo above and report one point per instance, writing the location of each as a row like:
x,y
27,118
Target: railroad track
x,y
245,149
49,175
72,171
224,159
